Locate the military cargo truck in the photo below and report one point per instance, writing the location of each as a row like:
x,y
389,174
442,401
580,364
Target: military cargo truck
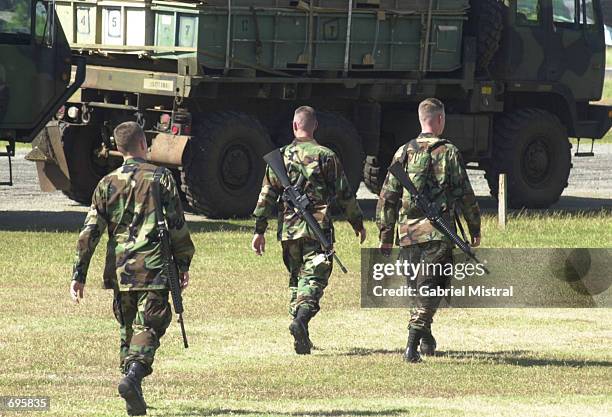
x,y
214,83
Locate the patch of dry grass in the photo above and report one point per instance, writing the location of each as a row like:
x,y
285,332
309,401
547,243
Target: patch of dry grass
x,y
240,362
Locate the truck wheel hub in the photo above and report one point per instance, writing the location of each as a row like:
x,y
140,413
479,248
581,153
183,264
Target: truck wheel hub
x,y
536,162
236,167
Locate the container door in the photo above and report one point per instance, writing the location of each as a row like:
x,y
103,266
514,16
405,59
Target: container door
x,y
35,63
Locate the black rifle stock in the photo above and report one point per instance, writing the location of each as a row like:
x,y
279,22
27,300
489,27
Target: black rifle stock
x,y
169,265
432,212
299,202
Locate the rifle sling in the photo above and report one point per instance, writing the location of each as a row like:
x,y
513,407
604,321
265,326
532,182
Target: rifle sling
x,y
159,213
413,145
460,225
301,184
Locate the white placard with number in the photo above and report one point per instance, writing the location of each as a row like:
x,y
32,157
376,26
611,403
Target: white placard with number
x,y
83,20
113,30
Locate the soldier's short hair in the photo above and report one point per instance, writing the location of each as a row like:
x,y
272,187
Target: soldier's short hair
x,y
128,136
306,118
430,107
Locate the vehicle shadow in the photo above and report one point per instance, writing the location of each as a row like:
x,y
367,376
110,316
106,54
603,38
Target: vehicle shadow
x,y
488,205
42,221
195,411
72,221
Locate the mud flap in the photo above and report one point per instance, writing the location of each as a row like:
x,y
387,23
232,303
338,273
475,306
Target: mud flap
x,y
48,153
167,150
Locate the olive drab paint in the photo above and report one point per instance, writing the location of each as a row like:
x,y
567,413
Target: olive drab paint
x,y
35,68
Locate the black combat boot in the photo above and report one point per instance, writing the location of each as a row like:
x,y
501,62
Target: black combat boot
x,y
299,331
131,391
428,344
412,349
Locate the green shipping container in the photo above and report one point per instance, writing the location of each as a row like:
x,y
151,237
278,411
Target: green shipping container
x,y
278,38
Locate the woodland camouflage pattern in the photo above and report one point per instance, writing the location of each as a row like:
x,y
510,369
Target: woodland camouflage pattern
x,y
123,204
309,272
326,184
448,186
309,269
144,317
434,252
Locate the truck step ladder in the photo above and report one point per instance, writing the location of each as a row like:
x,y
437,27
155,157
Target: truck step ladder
x,y
10,152
579,154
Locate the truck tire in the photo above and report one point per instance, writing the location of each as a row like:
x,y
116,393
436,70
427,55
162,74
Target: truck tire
x,y
486,23
176,174
338,134
4,99
223,165
80,143
531,146
375,168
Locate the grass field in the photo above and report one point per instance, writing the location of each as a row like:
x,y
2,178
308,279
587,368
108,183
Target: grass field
x,y
492,362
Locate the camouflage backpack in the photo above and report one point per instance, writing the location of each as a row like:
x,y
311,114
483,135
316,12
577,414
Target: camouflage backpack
x,y
418,162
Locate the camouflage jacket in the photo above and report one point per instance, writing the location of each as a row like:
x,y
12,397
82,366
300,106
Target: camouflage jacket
x,y
123,204
447,184
325,184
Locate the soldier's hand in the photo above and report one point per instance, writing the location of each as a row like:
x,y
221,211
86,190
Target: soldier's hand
x,y
475,241
184,280
362,235
386,248
76,290
259,244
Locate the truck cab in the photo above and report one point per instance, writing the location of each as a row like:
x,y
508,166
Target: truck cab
x,y
556,48
35,69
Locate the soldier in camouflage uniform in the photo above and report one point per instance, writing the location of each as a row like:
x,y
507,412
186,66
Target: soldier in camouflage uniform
x,y
309,269
436,168
123,204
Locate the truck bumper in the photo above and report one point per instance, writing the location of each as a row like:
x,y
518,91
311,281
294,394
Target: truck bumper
x,y
597,122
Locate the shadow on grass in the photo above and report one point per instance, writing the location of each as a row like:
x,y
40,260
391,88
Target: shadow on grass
x,y
218,226
508,357
242,412
520,358
72,221
488,205
42,221
367,352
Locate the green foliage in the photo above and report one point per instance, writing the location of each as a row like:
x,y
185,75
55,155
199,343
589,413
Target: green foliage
x,y
16,19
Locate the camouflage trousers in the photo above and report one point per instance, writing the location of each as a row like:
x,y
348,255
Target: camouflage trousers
x,y
434,252
144,317
309,272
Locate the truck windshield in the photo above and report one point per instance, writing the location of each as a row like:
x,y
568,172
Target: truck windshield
x,y
15,20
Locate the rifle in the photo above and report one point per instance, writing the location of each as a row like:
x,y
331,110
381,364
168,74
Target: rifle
x,y
432,212
298,201
169,265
